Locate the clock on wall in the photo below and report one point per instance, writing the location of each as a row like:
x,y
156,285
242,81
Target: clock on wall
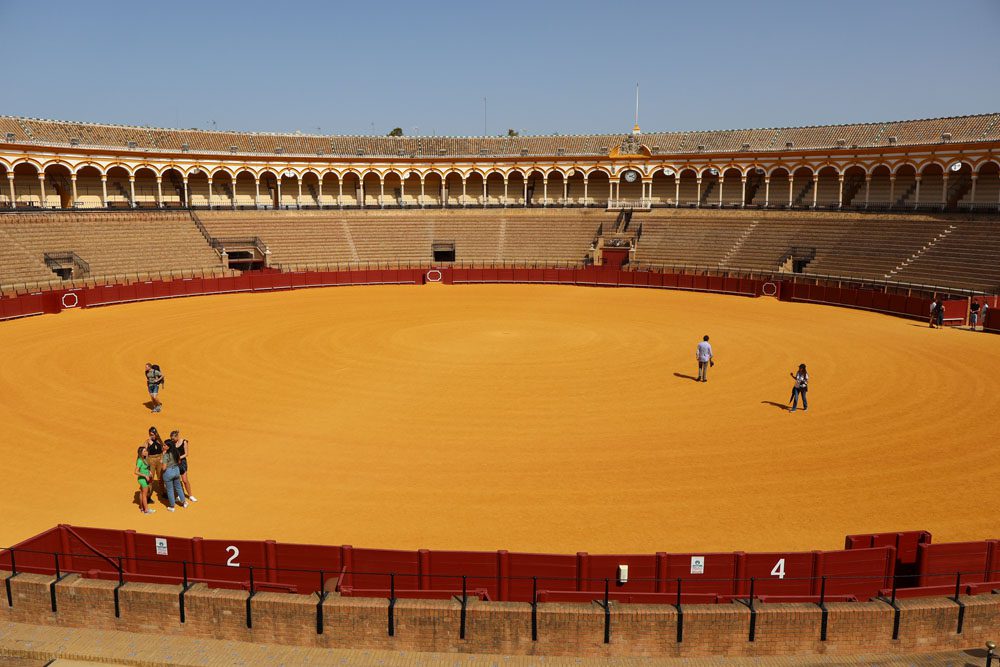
x,y
631,176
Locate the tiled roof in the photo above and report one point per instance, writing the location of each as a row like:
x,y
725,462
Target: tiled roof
x,y
985,127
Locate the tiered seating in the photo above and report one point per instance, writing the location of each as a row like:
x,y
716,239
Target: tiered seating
x,y
113,244
693,241
292,237
966,256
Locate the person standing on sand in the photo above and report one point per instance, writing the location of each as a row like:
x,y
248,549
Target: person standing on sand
x,y
154,380
143,475
800,388
703,353
182,462
154,449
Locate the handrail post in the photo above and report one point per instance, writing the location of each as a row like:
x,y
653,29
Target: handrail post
x,y
52,586
958,601
753,612
534,609
249,598
121,582
392,604
461,627
184,589
607,614
322,599
13,573
822,606
680,613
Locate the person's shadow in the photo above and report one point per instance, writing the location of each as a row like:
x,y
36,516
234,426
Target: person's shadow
x,y
685,377
149,405
780,406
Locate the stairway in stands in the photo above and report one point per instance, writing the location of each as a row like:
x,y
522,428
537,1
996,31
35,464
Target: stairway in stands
x,y
350,240
901,200
915,256
502,242
957,191
707,192
735,248
851,189
803,193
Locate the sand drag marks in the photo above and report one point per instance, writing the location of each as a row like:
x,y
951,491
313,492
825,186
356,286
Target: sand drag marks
x,y
502,416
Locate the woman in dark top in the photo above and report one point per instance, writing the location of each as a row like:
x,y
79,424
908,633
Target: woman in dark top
x,y
154,448
172,476
182,450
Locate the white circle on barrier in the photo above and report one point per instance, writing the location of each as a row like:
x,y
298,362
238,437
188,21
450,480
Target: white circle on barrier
x,y
764,289
434,276
76,300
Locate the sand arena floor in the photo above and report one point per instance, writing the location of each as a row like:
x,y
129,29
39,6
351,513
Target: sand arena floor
x,y
534,418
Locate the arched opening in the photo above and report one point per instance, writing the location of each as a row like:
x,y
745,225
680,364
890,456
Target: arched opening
x,y
371,189
778,189
58,187
630,186
710,184
411,189
474,184
330,189
352,195
289,194
171,188
854,187
516,189
987,187
689,187
828,188
756,187
536,188
957,184
903,189
732,187
878,186
223,193
393,185
145,188
494,189
246,190
6,196
664,188
433,190
597,188
119,189
197,188
453,189
930,192
802,188
268,185
555,191
27,192
310,190
574,188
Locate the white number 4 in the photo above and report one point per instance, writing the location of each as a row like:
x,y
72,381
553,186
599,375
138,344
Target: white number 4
x,y
234,553
778,571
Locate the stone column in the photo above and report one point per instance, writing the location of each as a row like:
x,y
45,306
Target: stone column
x,y
892,190
72,181
868,188
916,194
421,202
504,192
402,190
485,199
340,191
159,190
131,188
944,188
545,190
722,185
298,194
10,182
840,196
972,192
256,192
586,180
278,188
381,192
184,187
524,181
677,190
743,197
104,189
791,189
41,189
209,192
320,202
767,191
815,189
697,201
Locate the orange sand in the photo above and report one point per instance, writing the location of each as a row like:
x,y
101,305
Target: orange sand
x,y
522,417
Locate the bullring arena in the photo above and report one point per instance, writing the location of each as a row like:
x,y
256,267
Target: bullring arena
x,y
440,392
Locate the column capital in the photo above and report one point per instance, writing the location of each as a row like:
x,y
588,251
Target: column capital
x,y
104,178
10,175
41,175
72,177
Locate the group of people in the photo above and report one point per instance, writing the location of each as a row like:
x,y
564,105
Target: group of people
x,y
977,313
163,465
706,359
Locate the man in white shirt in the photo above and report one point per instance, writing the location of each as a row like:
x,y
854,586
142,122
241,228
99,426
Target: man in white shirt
x,y
704,356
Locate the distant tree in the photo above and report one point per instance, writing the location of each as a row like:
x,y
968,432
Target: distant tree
x,y
512,133
396,132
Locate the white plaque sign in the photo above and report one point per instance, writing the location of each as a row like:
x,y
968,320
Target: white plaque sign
x,y
697,565
161,546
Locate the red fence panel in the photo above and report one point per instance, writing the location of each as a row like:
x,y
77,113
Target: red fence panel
x,y
938,563
446,567
305,566
703,573
535,276
230,560
859,572
371,566
698,283
163,556
776,573
595,568
556,572
681,281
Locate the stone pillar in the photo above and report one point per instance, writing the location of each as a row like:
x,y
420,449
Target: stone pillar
x,y
677,190
421,202
815,189
72,181
767,191
916,194
743,184
278,184
944,188
586,180
545,190
611,190
10,182
485,199
340,191
256,192
210,192
463,193
381,192
41,189
697,201
402,190
320,202
504,192
892,190
159,190
972,192
184,188
444,193
104,189
131,188
524,180
722,185
791,189
868,188
840,196
298,194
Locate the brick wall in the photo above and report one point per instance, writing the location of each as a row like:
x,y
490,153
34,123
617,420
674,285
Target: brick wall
x,y
926,624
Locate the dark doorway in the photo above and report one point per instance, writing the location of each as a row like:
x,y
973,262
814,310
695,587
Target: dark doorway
x,y
443,251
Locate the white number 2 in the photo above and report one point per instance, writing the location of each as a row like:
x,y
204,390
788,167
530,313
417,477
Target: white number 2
x,y
778,571
235,553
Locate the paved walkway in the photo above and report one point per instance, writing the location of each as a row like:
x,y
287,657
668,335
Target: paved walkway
x,y
34,646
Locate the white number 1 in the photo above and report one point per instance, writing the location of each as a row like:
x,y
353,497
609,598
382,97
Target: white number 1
x,y
235,553
778,571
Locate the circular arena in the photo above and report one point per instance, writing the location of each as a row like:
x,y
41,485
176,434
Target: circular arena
x,y
440,394
528,417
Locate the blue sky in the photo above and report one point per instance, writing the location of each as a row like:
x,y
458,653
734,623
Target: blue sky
x,y
544,67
